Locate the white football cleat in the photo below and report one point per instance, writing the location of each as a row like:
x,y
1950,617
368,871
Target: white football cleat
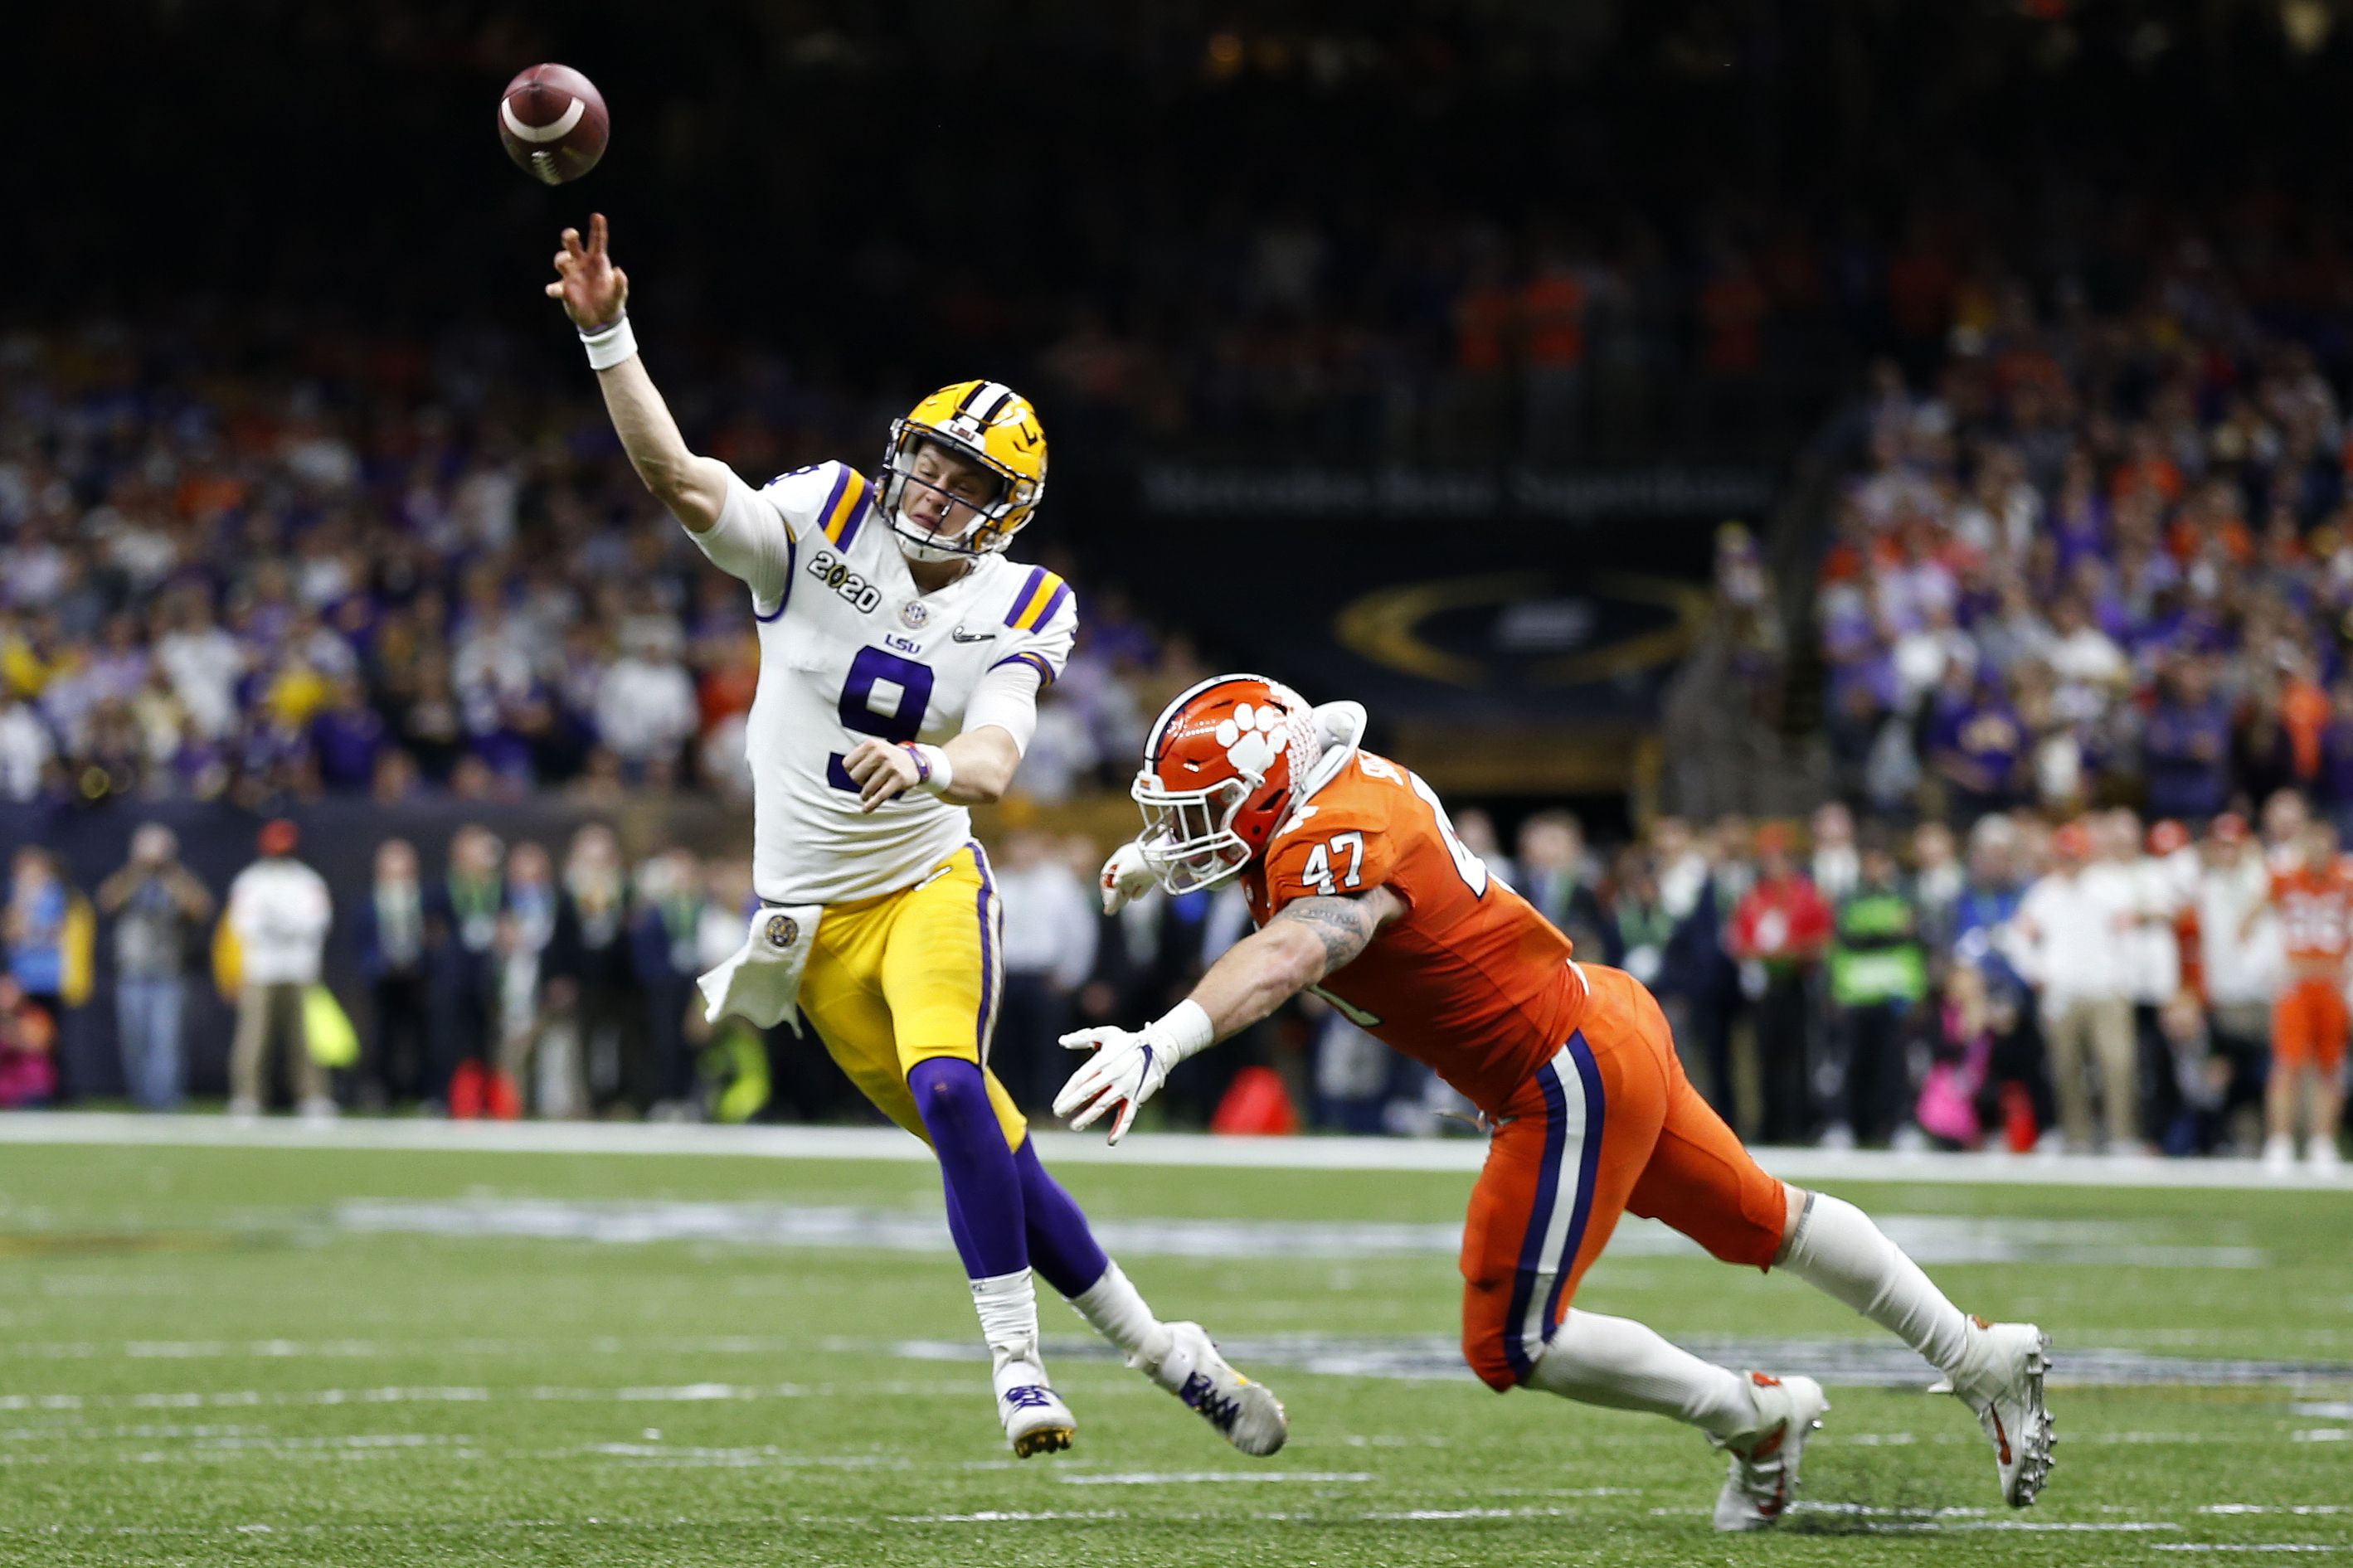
x,y
2320,1153
1036,1419
2279,1155
1184,1360
1764,1472
2001,1379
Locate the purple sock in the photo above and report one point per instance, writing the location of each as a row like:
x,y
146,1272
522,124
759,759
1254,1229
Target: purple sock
x,y
1061,1247
984,1190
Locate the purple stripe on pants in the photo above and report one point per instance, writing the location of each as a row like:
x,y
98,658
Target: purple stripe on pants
x,y
987,898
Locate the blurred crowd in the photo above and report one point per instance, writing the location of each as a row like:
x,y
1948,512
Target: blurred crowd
x,y
315,583
2102,555
2089,986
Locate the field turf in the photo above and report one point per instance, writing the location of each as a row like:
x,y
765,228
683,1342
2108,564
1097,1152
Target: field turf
x,y
263,1355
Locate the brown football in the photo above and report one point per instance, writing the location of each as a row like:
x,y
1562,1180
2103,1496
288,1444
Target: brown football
x,y
553,123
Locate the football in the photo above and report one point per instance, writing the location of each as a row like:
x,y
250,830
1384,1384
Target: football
x,y
553,123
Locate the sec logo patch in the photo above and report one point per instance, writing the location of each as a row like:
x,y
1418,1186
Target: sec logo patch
x,y
783,930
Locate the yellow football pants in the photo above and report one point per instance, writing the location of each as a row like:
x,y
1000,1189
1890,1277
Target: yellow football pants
x,y
896,980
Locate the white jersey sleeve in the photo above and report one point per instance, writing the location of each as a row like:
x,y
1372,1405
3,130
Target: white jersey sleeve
x,y
758,533
1044,621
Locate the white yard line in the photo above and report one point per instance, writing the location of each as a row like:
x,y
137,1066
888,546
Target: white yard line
x,y
1460,1155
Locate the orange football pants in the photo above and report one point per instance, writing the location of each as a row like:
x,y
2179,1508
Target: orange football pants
x,y
1609,1124
2309,1023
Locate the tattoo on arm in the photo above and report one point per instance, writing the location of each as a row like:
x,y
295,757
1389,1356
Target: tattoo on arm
x,y
1344,925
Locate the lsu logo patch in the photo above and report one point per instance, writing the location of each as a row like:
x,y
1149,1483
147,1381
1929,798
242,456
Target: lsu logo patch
x,y
783,930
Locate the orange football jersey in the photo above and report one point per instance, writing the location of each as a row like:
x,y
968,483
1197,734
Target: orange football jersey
x,y
2316,913
1471,979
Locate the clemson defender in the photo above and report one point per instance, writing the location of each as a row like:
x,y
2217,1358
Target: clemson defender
x,y
1362,892
901,657
2314,899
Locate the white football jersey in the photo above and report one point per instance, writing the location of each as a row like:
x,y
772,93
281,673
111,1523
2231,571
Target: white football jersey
x,y
849,649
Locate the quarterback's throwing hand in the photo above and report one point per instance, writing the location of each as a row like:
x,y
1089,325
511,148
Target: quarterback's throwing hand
x,y
592,291
1125,878
1126,1069
881,770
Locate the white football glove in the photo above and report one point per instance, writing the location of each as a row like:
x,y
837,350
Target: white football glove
x,y
1125,879
1128,1067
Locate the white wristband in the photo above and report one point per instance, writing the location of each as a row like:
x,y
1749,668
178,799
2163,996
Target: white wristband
x,y
932,772
1185,1029
610,344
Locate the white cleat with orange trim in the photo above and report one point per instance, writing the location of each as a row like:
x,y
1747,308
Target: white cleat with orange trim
x,y
1765,1460
2000,1378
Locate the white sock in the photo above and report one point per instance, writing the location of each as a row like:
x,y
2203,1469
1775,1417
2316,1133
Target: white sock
x,y
1838,1250
1008,1305
1619,1362
1113,1308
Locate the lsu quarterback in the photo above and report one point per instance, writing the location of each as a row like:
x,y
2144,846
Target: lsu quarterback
x,y
901,657
1360,888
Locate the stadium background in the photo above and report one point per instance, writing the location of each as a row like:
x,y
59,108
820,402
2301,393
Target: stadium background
x,y
1427,357
1422,353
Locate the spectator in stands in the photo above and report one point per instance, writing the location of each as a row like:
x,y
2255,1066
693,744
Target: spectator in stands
x,y
389,930
26,748
28,1072
2068,940
1050,931
2160,879
48,929
591,985
461,982
1938,883
1639,930
279,909
1836,865
1699,890
347,737
1555,878
160,911
1961,1062
646,706
1779,932
2186,747
1878,977
666,953
2239,954
525,928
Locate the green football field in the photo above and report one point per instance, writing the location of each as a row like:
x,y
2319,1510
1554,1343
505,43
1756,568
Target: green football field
x,y
264,1356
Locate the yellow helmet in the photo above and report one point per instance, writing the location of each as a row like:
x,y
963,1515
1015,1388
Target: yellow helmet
x,y
989,424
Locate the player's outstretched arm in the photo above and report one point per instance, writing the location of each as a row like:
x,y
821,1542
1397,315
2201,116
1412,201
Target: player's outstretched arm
x,y
596,294
1310,939
1306,941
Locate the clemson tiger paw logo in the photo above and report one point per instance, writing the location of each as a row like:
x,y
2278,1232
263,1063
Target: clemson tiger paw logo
x,y
1246,736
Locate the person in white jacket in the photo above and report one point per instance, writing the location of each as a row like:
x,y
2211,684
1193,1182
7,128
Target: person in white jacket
x,y
2069,941
279,909
2239,945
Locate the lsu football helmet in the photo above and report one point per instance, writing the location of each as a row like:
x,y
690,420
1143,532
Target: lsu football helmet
x,y
984,422
1222,768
